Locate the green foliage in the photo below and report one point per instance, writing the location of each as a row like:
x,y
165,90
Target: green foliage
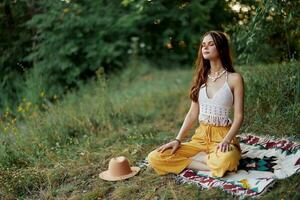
x,y
14,46
171,30
64,43
55,46
72,41
266,31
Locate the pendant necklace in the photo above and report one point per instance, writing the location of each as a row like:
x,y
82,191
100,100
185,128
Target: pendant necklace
x,y
214,78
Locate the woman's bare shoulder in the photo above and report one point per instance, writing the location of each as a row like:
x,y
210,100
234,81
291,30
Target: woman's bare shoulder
x,y
235,78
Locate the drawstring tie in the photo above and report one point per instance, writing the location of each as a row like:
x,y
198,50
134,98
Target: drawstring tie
x,y
208,138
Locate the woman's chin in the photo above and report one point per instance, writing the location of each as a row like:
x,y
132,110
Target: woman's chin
x,y
209,57
206,57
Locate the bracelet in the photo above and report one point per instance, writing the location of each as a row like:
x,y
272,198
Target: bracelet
x,y
179,142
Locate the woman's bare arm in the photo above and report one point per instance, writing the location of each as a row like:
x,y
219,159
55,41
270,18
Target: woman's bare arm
x,y
189,120
238,89
191,116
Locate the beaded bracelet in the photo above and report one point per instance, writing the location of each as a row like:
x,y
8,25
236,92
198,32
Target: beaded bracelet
x,y
179,142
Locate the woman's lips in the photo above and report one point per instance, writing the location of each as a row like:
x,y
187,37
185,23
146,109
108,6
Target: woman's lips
x,y
206,52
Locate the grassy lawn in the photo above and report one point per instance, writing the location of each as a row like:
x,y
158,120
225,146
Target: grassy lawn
x,y
59,152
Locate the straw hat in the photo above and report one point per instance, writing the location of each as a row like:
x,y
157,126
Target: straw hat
x,y
119,169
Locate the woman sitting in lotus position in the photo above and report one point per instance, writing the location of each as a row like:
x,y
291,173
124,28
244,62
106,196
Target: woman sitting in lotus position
x,y
215,90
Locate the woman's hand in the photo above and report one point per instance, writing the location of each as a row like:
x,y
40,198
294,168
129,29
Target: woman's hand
x,y
174,145
224,146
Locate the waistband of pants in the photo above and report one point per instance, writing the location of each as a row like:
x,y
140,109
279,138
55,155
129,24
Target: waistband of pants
x,y
208,128
213,125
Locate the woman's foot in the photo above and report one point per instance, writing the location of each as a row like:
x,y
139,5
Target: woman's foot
x,y
199,162
198,166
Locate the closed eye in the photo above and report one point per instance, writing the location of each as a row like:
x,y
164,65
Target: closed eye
x,y
209,43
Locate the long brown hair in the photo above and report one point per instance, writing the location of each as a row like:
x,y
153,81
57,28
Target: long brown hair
x,y
203,66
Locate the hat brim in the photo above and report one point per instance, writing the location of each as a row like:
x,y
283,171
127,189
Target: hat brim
x,y
108,177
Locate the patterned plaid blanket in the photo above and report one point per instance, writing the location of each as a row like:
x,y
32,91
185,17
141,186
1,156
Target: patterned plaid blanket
x,y
263,161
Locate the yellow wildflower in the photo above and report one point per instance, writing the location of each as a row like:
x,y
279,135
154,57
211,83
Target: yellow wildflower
x,y
66,10
20,109
42,94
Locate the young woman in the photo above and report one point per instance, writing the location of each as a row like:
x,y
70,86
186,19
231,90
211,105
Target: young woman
x,y
215,90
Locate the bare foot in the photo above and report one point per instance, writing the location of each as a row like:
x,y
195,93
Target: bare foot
x,y
198,166
199,162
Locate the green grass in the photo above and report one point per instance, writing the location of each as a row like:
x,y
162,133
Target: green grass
x,y
58,153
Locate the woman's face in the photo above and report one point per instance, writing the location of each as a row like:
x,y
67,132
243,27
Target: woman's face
x,y
209,49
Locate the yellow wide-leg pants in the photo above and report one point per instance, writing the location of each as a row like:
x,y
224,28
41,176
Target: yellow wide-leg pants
x,y
206,139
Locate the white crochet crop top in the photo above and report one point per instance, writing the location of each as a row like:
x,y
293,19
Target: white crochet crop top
x,y
216,110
